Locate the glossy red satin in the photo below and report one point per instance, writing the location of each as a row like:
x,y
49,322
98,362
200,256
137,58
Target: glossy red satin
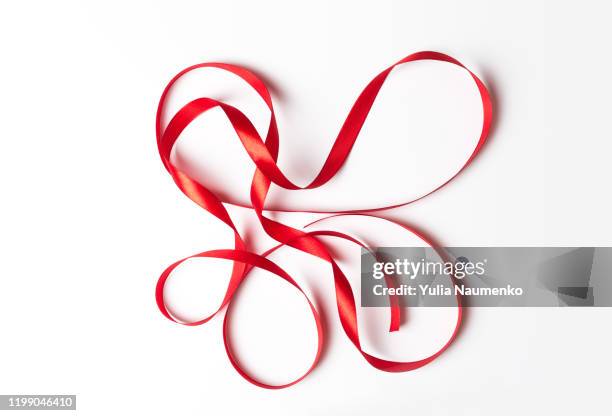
x,y
264,155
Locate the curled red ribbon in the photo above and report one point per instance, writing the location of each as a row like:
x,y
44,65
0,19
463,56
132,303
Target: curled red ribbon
x,y
264,154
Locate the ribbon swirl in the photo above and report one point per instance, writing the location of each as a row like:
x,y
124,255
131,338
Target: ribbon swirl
x,y
264,155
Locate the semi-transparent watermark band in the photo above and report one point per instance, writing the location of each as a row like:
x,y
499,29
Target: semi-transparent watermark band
x,y
487,276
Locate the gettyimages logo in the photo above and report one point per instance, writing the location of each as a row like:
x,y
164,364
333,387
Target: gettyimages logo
x,y
461,268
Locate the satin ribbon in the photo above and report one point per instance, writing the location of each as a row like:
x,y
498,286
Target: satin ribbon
x,y
264,155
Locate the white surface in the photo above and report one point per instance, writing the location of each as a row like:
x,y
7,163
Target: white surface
x,y
90,218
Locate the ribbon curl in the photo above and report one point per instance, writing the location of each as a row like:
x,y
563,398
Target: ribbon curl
x,y
264,154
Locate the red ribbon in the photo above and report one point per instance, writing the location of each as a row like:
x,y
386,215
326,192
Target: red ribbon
x,y
264,154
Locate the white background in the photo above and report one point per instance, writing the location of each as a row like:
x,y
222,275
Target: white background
x,y
89,218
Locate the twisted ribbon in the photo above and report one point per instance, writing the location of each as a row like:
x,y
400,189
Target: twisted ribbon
x,y
264,155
